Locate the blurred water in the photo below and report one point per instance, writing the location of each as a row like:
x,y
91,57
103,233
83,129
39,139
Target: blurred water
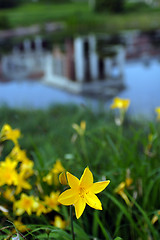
x,y
34,95
142,88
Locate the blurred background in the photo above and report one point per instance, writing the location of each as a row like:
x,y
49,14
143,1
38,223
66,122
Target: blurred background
x,y
81,52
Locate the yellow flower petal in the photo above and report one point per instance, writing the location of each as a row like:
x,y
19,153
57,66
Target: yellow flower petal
x,y
93,201
83,125
99,186
120,188
124,196
86,179
120,103
58,222
72,180
79,207
154,219
68,197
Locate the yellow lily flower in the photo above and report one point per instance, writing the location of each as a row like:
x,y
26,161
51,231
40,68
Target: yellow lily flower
x,y
120,190
8,172
9,194
82,192
51,202
155,217
52,176
40,207
7,133
25,204
20,226
120,103
58,222
80,129
48,178
22,183
158,113
17,154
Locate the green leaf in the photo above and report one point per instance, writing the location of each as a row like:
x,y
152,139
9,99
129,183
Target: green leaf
x,y
118,238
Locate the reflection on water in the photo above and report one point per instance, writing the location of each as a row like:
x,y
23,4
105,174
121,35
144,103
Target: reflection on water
x,y
142,87
95,66
34,95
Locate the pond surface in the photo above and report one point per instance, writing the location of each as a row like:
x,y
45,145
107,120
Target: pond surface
x,y
142,88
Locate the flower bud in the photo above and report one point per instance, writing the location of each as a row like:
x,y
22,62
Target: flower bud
x,y
63,178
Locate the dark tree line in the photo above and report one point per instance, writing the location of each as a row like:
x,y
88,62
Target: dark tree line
x,y
9,3
116,6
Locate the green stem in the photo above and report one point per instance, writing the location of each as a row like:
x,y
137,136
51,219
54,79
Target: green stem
x,y
72,229
83,146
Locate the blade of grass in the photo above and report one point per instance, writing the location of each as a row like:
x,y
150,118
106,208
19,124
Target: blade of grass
x,y
153,230
106,234
126,213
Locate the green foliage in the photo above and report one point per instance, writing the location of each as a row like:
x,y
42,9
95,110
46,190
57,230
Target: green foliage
x,y
111,152
79,18
136,6
4,22
115,6
55,1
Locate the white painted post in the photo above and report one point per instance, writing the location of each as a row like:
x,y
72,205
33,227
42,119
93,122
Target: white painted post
x,y
79,59
49,71
121,60
107,67
4,64
38,44
93,58
27,46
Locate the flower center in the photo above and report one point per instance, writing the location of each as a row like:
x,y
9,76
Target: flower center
x,y
82,192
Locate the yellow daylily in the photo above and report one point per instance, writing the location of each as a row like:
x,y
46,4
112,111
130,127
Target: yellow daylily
x,y
40,207
51,202
82,192
8,172
120,190
57,167
9,194
58,222
158,113
25,204
17,154
7,133
120,103
27,167
48,178
155,217
80,129
22,183
52,176
20,226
